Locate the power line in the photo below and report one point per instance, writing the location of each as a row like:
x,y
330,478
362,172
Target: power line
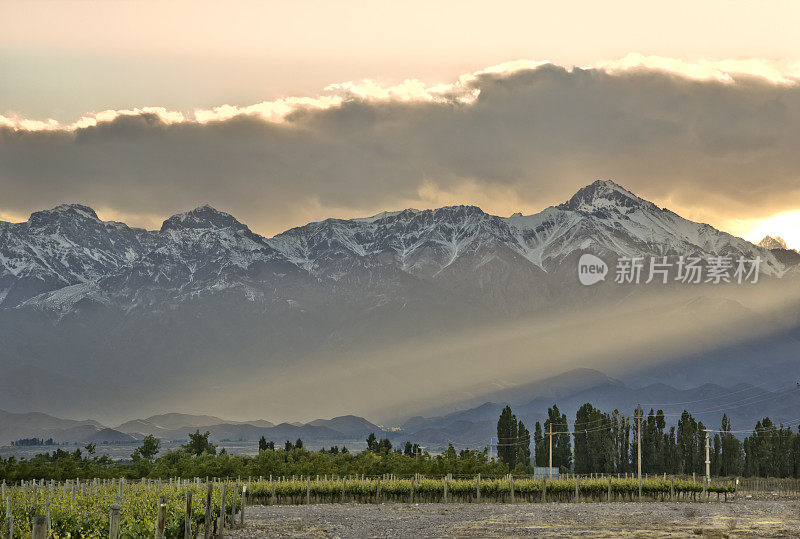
x,y
705,399
621,421
744,402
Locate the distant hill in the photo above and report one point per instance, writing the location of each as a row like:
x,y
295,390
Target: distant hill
x,y
743,403
348,425
36,425
471,426
166,422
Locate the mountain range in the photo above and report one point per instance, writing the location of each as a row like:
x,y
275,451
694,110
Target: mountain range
x,y
177,427
469,426
370,315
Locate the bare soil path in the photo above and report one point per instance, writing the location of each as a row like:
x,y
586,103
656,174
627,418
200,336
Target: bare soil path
x,y
740,518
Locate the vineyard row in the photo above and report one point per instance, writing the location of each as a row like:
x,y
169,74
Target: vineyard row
x,y
196,508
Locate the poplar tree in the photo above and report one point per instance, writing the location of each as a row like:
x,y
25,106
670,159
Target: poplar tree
x,y
539,445
507,437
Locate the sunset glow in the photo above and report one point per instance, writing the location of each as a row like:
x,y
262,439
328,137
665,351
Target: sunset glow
x,y
510,253
785,225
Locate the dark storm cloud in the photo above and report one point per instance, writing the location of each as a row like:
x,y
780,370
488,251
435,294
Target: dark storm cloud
x,y
721,150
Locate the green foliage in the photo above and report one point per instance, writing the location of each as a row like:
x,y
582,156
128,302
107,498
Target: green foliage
x,y
539,446
383,446
562,446
199,444
372,442
513,441
61,465
603,444
89,515
148,450
507,437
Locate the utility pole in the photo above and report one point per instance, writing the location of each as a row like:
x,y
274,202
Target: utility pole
x,y
639,446
708,461
550,466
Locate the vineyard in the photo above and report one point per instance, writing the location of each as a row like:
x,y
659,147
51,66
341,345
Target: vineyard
x,y
507,489
133,510
183,508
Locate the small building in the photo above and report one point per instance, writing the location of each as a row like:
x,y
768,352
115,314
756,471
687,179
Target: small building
x,y
543,472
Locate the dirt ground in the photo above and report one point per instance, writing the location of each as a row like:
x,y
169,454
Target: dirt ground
x,y
745,517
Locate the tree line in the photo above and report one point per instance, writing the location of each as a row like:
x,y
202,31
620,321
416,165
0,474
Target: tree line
x,y
32,442
602,442
201,458
597,442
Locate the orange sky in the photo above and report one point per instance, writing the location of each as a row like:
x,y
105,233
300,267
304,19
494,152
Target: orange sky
x,y
64,62
62,58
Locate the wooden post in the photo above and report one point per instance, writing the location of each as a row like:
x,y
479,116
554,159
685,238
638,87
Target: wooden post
x,y
161,518
308,490
412,490
9,519
577,488
187,519
378,493
445,489
233,507
222,509
511,484
544,489
244,503
39,527
344,484
478,488
671,488
113,521
207,522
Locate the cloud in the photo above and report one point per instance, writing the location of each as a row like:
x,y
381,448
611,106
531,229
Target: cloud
x,y
782,72
714,141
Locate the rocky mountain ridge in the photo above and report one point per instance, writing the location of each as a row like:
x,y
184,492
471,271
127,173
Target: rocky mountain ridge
x,y
65,256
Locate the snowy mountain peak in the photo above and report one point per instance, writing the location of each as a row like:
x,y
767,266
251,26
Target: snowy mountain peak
x,y
62,212
772,243
604,195
202,218
385,215
460,248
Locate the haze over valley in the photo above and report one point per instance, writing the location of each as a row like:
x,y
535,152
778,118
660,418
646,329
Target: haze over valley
x,y
407,313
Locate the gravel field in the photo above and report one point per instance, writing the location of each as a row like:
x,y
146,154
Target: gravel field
x,y
740,518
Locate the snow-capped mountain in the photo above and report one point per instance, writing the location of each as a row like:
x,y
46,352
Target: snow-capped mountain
x,y
609,220
85,301
772,243
61,247
64,255
602,217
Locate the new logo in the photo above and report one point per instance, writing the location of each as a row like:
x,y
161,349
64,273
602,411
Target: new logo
x,y
591,269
